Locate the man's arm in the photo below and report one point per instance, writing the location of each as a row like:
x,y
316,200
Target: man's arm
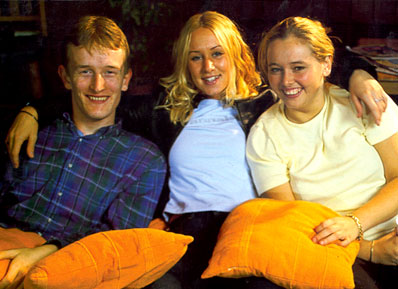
x,y
24,127
26,124
359,77
363,86
135,207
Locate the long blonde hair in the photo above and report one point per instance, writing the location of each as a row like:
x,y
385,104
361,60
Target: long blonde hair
x,y
180,88
311,31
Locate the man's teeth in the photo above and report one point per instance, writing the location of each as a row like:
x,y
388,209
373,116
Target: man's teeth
x,y
102,98
292,91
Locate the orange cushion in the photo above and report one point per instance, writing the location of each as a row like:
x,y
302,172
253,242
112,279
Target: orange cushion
x,y
14,239
159,224
112,259
272,239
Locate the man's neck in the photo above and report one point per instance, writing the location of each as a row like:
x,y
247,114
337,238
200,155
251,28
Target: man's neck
x,y
91,127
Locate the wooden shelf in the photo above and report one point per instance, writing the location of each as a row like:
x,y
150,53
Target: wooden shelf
x,y
19,18
391,87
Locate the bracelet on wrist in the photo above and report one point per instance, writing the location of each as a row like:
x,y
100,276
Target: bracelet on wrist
x,y
371,250
27,112
359,225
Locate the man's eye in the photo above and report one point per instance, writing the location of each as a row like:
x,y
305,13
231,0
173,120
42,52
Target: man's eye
x,y
85,72
110,73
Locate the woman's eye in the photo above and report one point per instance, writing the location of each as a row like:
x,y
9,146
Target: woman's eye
x,y
218,54
298,68
195,58
274,70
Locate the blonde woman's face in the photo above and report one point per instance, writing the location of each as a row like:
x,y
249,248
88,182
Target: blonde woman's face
x,y
208,63
296,75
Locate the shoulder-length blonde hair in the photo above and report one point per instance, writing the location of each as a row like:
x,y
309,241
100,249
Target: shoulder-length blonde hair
x,y
179,85
311,31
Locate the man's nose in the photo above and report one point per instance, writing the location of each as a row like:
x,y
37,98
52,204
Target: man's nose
x,y
97,83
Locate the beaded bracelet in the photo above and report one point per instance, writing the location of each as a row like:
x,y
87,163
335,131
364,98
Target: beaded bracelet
x,y
359,225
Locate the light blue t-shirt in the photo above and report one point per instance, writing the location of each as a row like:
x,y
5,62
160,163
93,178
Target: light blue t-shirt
x,y
208,168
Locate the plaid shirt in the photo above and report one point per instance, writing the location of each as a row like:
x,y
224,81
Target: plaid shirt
x,y
78,185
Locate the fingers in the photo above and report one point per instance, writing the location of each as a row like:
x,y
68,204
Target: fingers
x,y
377,106
10,277
16,283
20,285
339,230
325,233
357,104
10,144
14,150
30,149
364,87
9,254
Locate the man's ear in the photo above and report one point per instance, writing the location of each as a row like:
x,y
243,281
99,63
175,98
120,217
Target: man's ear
x,y
126,79
327,66
63,74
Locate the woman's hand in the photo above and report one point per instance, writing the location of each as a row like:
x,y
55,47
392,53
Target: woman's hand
x,y
21,261
385,250
24,127
364,87
338,230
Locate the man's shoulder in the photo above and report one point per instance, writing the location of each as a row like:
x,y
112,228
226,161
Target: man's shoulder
x,y
133,142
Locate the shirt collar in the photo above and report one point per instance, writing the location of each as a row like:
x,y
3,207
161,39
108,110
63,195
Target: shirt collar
x,y
107,131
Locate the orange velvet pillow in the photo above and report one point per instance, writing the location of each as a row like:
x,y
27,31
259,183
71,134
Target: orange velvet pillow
x,y
272,239
159,224
131,258
14,239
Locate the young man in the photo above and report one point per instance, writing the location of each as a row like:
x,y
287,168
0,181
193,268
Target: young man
x,y
88,174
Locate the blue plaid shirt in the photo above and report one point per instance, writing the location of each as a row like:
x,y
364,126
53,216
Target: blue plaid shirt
x,y
78,185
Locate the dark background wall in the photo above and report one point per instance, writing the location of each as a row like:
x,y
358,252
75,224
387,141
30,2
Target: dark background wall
x,y
153,27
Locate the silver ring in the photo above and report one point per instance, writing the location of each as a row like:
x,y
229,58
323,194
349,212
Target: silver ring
x,y
378,99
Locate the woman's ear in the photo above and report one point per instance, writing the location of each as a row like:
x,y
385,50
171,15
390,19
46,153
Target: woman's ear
x,y
327,66
63,74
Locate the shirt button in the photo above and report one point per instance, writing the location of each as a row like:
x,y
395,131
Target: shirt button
x,y
80,139
70,166
59,194
39,233
49,220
